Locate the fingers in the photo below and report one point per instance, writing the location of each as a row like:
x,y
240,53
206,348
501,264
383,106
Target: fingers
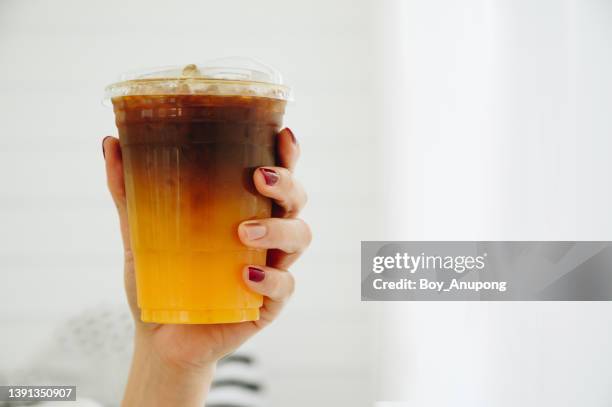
x,y
285,241
275,285
288,149
278,285
114,169
278,183
114,179
287,235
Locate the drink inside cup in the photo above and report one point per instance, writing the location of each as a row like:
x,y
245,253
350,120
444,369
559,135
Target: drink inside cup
x,y
190,143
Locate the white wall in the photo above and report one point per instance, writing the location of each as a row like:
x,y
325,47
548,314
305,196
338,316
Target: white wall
x,y
496,126
59,244
500,125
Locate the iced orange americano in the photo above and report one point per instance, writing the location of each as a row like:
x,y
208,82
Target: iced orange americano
x,y
190,143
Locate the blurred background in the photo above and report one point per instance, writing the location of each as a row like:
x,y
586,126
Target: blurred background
x,y
439,120
498,126
60,250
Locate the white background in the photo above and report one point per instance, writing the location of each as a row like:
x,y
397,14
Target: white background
x,y
499,122
59,242
476,119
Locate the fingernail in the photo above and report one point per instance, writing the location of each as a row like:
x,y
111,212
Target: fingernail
x,y
254,231
270,176
104,152
256,274
292,136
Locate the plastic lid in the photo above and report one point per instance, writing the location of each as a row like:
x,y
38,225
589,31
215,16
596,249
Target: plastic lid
x,y
234,76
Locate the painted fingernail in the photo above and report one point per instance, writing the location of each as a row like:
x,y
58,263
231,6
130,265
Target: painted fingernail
x,y
254,231
256,274
270,176
104,152
292,136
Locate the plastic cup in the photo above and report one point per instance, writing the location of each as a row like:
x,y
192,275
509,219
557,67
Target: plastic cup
x,y
191,138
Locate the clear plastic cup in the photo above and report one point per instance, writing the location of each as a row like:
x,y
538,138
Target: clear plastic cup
x,y
191,137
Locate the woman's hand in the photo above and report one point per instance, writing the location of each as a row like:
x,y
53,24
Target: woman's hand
x,y
173,364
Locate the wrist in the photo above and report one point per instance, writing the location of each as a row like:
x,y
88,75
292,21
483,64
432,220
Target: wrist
x,y
156,381
164,347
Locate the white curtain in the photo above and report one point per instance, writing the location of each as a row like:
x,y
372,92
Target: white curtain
x,y
498,126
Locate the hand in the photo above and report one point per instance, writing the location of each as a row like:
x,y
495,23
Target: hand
x,y
185,355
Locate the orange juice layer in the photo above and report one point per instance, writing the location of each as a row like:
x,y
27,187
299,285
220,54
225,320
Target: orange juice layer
x,y
196,287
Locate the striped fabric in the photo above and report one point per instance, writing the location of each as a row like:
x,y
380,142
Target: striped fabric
x,y
237,383
93,350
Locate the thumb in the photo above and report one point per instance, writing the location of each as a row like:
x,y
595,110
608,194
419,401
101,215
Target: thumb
x,y
116,185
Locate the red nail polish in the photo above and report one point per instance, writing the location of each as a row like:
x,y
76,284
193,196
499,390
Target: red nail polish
x,y
256,274
270,176
292,136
